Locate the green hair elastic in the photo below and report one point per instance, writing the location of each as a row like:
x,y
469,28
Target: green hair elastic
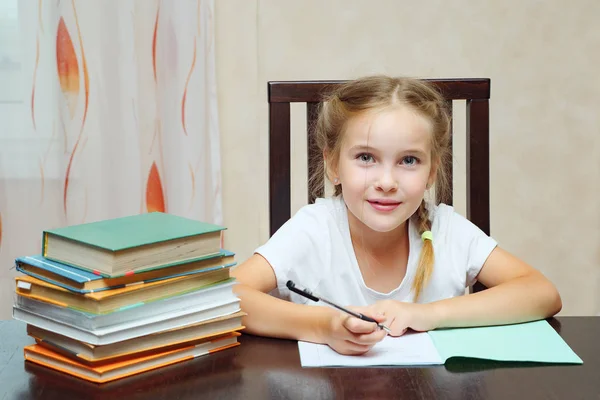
x,y
427,235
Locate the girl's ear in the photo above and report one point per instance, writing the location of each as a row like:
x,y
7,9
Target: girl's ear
x,y
432,174
330,168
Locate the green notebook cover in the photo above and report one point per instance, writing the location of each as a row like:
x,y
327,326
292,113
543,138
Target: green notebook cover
x,y
133,231
533,341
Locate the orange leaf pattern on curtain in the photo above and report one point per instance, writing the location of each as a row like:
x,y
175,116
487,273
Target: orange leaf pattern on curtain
x,y
86,77
155,200
67,76
68,66
187,83
154,42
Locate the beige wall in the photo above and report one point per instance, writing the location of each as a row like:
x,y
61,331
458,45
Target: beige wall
x,y
545,142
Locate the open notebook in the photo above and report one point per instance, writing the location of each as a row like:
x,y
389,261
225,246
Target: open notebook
x,y
533,342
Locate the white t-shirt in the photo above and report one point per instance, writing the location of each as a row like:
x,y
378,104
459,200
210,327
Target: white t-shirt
x,y
314,250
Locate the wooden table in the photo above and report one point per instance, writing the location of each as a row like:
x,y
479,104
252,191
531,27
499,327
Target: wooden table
x,y
266,368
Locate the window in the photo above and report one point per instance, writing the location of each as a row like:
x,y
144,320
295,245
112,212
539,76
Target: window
x,y
12,104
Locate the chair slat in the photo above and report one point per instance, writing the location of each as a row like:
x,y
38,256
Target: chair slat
x,y
279,165
478,169
478,164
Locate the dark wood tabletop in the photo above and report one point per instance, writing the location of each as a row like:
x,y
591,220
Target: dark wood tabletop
x,y
268,368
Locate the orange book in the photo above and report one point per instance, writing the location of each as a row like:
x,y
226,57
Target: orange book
x,y
93,362
121,369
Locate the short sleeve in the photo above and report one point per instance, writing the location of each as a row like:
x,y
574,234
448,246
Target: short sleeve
x,y
471,242
299,250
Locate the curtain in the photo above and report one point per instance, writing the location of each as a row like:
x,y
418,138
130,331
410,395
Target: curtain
x,y
117,116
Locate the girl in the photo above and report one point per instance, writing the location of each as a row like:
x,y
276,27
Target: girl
x,y
378,244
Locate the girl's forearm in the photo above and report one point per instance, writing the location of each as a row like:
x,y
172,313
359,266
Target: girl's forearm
x,y
523,299
273,317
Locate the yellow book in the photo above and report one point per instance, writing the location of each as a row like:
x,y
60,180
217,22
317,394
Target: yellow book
x,y
112,300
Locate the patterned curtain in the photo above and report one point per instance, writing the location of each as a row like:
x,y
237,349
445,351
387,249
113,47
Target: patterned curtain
x,y
118,116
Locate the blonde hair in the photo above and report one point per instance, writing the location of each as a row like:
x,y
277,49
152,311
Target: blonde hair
x,y
376,92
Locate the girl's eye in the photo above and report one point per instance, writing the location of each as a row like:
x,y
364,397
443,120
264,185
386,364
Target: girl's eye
x,y
410,161
366,158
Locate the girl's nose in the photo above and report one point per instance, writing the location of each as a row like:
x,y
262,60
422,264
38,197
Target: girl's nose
x,y
386,182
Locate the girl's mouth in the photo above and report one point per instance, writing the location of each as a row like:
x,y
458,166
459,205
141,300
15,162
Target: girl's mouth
x,y
384,205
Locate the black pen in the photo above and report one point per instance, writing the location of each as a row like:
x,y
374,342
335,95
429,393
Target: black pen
x,y
309,295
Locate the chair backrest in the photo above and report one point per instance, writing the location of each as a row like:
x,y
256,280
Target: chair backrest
x,y
476,92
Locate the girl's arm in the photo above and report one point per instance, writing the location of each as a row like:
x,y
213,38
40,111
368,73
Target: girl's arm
x,y
270,316
516,293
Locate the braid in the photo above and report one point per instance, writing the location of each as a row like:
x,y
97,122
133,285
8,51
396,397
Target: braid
x,y
426,259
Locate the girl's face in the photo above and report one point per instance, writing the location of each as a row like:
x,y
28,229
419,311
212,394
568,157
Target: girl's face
x,y
385,166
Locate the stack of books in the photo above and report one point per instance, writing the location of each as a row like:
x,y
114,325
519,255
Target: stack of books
x,y
109,299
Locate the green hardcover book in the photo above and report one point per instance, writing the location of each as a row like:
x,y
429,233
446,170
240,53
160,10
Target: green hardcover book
x,y
123,245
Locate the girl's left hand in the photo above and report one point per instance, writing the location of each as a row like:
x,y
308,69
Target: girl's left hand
x,y
400,316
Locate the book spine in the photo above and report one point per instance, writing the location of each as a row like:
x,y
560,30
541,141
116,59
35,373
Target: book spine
x,y
44,243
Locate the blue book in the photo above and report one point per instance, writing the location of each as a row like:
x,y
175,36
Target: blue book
x,y
82,281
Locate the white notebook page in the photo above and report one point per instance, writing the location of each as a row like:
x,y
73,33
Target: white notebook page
x,y
409,349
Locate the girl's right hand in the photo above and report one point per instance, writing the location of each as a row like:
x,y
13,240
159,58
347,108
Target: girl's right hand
x,y
352,336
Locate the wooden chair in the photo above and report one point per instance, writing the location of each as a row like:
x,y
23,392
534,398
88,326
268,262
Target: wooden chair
x,y
476,92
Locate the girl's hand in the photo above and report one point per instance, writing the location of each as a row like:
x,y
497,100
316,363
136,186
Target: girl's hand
x,y
352,336
400,316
